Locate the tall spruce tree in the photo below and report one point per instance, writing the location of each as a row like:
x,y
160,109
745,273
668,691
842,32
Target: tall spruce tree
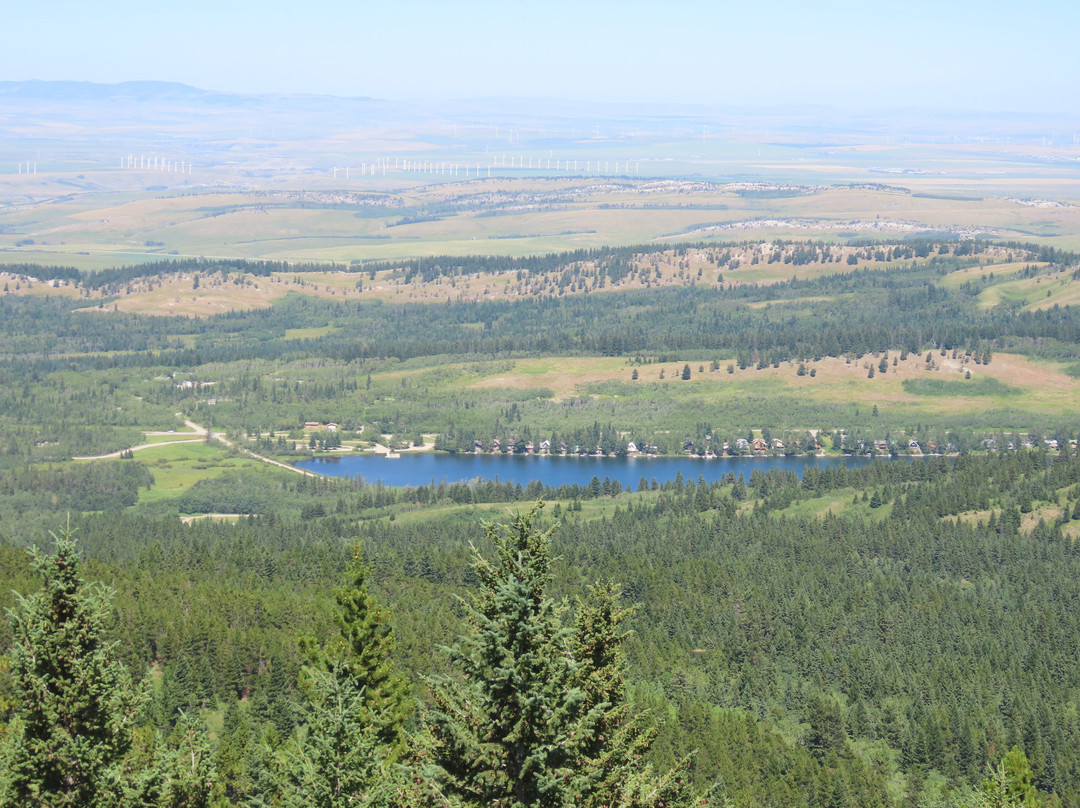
x,y
362,651
356,707
76,704
612,772
536,715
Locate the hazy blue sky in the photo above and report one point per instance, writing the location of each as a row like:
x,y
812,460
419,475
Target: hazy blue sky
x,y
951,53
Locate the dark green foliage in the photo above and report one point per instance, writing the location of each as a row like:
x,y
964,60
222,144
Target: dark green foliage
x,y
982,386
920,642
230,493
355,710
826,732
338,759
363,653
611,771
76,704
523,721
505,729
88,487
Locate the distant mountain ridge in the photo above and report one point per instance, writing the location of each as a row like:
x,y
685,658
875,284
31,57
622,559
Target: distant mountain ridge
x,y
38,89
154,104
55,99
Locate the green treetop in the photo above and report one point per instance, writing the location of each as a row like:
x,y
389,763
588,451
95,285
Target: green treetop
x,y
536,716
76,705
1009,785
362,652
337,760
346,753
612,773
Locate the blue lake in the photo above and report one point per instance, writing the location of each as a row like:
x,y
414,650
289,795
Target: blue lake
x,y
423,468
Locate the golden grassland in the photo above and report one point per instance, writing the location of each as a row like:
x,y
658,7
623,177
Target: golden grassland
x,y
13,284
90,230
1028,385
176,295
216,292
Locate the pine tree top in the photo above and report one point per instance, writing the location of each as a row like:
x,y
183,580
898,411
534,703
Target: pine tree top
x,y
76,704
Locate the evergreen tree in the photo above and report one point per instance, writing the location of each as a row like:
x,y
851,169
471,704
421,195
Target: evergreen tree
x,y
338,760
76,704
612,773
826,732
502,732
362,652
190,771
356,712
537,716
1010,783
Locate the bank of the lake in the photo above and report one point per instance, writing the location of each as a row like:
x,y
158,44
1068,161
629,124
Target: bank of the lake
x,y
422,468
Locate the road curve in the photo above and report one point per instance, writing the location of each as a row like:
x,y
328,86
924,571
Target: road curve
x,y
203,433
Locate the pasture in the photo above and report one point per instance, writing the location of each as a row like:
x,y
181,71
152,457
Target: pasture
x,y
374,219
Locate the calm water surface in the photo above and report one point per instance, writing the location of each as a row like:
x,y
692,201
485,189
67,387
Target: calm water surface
x,y
423,468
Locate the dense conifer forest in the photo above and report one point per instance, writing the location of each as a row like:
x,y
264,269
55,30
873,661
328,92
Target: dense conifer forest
x,y
782,660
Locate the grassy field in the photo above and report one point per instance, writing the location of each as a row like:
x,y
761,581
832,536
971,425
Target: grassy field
x,y
590,509
177,467
983,273
561,376
511,217
1010,385
1033,294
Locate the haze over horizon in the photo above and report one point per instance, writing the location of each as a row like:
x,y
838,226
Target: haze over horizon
x,y
957,56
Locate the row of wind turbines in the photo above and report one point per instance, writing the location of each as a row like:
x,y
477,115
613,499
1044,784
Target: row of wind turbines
x,y
382,166
144,162
399,165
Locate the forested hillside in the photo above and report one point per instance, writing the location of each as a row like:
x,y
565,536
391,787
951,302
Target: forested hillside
x,y
844,660
77,380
